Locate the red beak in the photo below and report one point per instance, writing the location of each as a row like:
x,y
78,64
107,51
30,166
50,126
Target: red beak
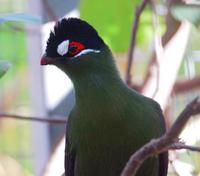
x,y
46,60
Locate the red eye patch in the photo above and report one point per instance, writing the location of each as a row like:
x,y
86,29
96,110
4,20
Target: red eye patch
x,y
75,47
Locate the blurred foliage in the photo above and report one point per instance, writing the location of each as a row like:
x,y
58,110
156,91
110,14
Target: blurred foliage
x,y
192,158
190,12
114,22
192,46
4,66
15,136
8,39
12,37
9,167
13,50
10,144
12,6
196,159
12,44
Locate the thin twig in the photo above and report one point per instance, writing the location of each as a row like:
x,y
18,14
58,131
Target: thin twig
x,y
36,119
138,12
180,146
182,86
163,143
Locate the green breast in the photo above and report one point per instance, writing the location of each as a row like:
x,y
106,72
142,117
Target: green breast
x,y
106,132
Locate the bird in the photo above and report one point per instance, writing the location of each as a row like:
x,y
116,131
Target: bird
x,y
109,120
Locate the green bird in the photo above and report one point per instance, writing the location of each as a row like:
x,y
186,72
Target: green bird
x,y
109,121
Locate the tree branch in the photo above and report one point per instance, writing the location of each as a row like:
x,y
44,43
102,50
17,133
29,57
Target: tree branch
x,y
179,87
186,85
159,145
36,119
138,13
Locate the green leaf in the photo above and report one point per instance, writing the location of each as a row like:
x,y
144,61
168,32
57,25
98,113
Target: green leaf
x,y
189,12
4,66
113,20
20,17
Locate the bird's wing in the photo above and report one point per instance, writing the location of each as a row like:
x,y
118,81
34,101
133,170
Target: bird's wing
x,y
163,164
163,157
69,158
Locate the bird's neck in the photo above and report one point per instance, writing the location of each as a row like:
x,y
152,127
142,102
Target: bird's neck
x,y
98,87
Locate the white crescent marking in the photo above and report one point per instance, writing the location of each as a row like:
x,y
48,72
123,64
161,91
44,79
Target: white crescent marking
x,y
85,51
63,47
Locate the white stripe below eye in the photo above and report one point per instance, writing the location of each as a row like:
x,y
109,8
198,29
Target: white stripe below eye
x,y
85,51
63,47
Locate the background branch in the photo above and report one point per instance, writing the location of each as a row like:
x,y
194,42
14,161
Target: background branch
x,y
163,143
36,119
138,13
182,86
179,87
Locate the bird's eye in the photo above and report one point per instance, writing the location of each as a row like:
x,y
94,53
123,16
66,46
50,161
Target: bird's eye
x,y
75,47
72,49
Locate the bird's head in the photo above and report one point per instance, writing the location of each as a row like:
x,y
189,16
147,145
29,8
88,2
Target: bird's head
x,y
74,45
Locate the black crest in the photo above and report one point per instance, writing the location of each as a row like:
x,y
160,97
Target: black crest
x,y
73,29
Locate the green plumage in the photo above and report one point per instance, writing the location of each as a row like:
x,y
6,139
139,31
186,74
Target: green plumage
x,y
109,121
